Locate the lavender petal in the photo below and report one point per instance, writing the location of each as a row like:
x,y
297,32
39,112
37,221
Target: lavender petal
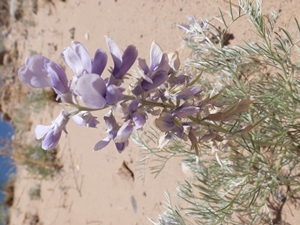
x,y
185,111
102,144
133,106
85,118
124,132
188,92
113,94
33,73
72,61
91,89
137,90
139,120
128,59
115,52
155,56
143,66
51,139
111,122
158,80
41,131
121,146
58,78
99,62
84,56
165,122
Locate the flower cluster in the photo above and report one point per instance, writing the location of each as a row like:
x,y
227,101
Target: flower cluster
x,y
87,85
161,90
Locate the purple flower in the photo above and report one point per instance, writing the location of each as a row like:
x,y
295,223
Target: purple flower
x,y
122,63
79,61
77,58
99,62
185,110
172,126
40,72
85,118
91,89
154,75
58,78
188,92
112,129
113,94
59,81
124,132
33,73
179,79
194,26
131,112
51,134
165,122
171,121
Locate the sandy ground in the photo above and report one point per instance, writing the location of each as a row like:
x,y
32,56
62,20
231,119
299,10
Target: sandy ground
x,y
96,187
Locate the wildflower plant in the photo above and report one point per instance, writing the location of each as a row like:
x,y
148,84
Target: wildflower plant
x,y
249,174
35,192
238,132
172,96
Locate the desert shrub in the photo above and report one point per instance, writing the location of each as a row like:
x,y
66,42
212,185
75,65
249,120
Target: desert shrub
x,y
8,190
34,102
38,162
246,172
3,215
35,192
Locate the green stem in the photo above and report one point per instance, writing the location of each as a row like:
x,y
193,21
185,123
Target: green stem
x,y
158,104
208,124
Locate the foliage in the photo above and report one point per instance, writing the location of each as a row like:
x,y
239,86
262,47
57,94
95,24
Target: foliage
x,y
3,215
35,101
248,173
8,192
37,161
35,192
